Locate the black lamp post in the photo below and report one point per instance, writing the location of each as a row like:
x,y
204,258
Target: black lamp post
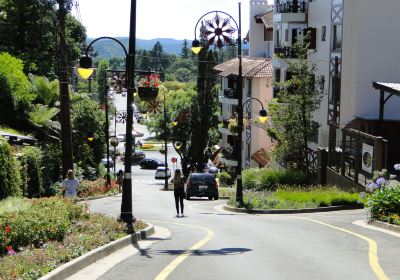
x,y
166,147
86,62
218,32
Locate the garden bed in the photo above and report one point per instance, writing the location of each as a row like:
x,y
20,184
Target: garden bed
x,y
298,198
39,235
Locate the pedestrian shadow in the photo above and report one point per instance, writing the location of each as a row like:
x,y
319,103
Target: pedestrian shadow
x,y
220,252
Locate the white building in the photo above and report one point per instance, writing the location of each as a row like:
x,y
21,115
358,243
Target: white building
x,y
362,34
257,83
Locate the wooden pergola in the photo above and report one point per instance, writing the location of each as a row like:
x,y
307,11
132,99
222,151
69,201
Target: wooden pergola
x,y
391,89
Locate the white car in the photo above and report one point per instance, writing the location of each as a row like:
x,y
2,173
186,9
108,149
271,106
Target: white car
x,y
160,173
121,137
110,162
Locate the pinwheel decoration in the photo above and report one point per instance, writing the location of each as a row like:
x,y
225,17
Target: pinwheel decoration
x,y
121,116
217,31
118,82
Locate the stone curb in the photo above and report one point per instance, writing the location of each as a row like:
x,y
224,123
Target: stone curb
x,y
293,211
384,225
72,267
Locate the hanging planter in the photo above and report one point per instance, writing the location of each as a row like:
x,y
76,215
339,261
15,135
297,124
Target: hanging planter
x,y
147,93
148,87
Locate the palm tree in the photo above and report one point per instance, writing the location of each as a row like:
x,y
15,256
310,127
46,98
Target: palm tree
x,y
46,92
41,117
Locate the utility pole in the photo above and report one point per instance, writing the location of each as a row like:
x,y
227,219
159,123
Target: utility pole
x,y
65,115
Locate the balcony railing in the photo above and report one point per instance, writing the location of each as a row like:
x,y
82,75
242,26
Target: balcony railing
x,y
230,93
285,52
289,7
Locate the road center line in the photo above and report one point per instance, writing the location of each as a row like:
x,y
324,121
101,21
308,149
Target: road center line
x,y
174,264
372,252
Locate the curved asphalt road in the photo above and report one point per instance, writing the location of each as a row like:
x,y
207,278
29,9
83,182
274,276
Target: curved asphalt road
x,y
210,243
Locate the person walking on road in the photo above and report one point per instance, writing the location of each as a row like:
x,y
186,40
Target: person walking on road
x,y
70,185
179,191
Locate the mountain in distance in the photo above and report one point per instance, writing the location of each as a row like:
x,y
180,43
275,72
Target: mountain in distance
x,y
109,48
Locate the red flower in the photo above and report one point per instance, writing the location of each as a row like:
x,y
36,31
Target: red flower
x,y
7,229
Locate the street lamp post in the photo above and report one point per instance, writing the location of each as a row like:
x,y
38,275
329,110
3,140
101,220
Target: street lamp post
x,y
166,147
86,62
218,32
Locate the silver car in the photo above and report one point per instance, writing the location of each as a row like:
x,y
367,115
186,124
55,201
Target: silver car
x,y
160,173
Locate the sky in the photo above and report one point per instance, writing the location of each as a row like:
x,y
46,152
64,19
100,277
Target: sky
x,y
154,18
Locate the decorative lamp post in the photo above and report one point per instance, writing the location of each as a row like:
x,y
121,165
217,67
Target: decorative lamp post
x,y
86,62
218,31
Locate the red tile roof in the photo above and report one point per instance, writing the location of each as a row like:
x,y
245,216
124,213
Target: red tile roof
x,y
251,67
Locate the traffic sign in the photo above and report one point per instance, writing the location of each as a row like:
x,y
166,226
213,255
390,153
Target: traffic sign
x,y
173,159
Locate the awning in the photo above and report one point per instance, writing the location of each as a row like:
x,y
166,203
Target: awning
x,y
261,157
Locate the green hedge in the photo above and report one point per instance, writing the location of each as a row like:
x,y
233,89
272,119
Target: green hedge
x,y
10,178
225,178
31,161
384,205
270,179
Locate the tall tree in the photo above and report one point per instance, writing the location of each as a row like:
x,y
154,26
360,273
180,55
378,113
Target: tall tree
x,y
292,111
29,30
185,50
203,109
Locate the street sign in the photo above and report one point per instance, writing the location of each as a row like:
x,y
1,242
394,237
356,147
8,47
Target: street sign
x,y
173,159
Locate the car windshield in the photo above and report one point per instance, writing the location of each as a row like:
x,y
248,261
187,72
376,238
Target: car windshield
x,y
206,178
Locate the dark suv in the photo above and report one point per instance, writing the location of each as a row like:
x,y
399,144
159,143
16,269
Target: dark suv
x,y
202,185
151,163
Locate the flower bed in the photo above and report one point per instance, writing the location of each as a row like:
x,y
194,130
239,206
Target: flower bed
x,y
98,187
38,235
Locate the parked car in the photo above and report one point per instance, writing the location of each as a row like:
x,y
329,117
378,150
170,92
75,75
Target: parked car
x,y
160,173
151,163
138,156
138,116
202,185
121,137
110,161
136,133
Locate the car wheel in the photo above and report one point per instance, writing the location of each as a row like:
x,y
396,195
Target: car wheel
x,y
216,197
210,198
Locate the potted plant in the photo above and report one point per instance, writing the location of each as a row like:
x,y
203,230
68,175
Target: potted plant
x,y
148,87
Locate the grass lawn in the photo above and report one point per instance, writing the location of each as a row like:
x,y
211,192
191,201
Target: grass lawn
x,y
292,198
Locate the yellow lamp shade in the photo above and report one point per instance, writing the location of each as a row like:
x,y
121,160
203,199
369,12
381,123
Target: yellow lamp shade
x,y
178,146
85,73
174,123
90,139
196,50
263,119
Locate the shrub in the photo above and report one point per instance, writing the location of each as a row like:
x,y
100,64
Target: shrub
x,y
225,178
31,161
270,179
385,203
10,178
45,219
250,178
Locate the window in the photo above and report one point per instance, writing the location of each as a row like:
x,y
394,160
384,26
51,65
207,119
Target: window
x,y
277,38
232,83
277,75
323,33
321,81
268,34
337,37
286,35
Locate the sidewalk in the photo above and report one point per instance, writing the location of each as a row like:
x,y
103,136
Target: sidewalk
x,y
97,262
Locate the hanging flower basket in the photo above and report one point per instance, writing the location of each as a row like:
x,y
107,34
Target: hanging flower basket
x,y
147,93
148,87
